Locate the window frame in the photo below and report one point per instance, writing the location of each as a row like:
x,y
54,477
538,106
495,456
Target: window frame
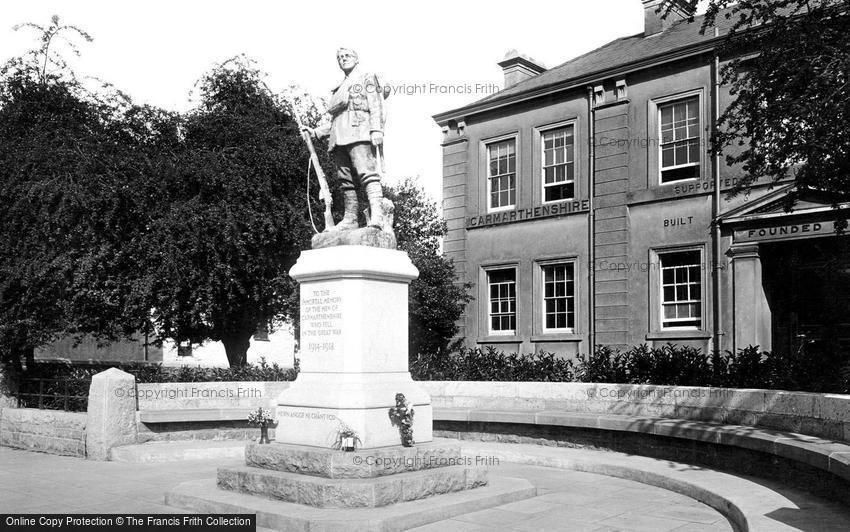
x,y
488,309
657,290
654,132
486,144
661,143
541,132
665,326
541,290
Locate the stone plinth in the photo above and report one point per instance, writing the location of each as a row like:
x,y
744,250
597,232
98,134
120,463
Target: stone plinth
x,y
350,492
111,417
330,463
354,302
364,236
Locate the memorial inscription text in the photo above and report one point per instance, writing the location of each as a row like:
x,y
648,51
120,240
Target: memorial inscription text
x,y
320,320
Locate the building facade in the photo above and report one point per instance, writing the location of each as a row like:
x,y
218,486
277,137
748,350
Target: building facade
x,y
585,207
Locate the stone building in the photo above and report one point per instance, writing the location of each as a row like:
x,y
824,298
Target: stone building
x,y
585,207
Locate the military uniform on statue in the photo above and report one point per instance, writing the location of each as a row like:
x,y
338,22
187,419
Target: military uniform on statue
x,y
355,141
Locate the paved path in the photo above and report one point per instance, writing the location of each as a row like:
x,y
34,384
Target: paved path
x,y
568,500
571,500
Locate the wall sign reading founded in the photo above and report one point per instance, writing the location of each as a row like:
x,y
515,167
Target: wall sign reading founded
x,y
784,232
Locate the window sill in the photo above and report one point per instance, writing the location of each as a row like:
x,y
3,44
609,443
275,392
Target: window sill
x,y
679,335
557,337
499,339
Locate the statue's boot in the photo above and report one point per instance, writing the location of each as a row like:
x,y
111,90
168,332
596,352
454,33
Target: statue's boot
x,y
375,193
349,220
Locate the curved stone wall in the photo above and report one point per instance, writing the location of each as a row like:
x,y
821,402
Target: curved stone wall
x,y
822,415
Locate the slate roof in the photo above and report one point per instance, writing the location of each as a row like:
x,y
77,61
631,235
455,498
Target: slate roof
x,y
617,53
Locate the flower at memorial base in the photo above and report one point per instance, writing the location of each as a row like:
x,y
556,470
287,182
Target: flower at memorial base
x,y
346,438
401,415
260,416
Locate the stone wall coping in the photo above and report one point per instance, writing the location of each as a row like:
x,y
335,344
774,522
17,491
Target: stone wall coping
x,y
827,455
194,414
208,395
43,414
536,395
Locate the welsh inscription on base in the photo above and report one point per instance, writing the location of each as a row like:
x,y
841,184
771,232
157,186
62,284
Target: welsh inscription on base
x,y
321,319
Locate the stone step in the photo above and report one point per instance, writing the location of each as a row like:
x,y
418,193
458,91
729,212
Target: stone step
x,y
374,492
204,497
178,451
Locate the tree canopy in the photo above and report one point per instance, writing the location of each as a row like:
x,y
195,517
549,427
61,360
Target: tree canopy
x,y
120,218
124,218
65,156
227,215
789,76
437,300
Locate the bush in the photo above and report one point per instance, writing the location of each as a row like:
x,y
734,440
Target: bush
x,y
815,370
146,373
604,365
74,379
491,365
251,372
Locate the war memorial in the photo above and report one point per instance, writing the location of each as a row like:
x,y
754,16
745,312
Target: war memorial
x,y
354,443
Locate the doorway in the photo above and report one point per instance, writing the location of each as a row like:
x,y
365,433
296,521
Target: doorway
x,y
807,284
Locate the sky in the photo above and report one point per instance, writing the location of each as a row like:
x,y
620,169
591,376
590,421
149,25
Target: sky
x,y
437,55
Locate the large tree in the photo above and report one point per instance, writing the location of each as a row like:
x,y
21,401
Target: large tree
x,y
227,216
437,298
68,160
789,76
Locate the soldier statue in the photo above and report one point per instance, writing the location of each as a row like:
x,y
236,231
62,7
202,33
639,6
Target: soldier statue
x,y
356,136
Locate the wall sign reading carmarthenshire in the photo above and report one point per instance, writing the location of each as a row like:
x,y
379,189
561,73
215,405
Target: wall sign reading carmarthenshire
x,y
519,215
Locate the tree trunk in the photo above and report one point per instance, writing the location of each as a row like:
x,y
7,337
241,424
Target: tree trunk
x,y
15,358
29,352
236,346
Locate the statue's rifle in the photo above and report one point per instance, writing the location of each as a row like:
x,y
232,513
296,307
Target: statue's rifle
x,y
324,190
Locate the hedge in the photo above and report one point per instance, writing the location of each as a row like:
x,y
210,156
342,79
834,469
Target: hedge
x,y
811,371
145,372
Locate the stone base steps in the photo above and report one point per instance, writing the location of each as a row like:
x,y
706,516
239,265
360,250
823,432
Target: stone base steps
x,y
374,492
204,496
177,451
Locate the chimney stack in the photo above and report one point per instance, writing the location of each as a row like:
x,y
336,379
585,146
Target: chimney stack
x,y
518,67
654,20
